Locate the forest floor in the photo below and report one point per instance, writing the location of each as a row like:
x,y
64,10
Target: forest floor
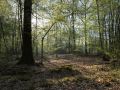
x,y
66,72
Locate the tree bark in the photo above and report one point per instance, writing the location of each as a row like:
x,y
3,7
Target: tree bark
x,y
99,27
27,53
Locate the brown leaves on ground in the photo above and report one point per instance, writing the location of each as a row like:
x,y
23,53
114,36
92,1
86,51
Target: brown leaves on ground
x,y
63,73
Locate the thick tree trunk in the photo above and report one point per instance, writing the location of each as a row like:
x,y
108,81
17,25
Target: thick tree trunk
x,y
27,54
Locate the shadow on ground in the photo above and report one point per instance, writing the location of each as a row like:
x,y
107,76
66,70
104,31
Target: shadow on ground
x,y
60,74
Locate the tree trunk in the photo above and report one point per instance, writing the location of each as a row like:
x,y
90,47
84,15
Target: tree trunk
x,y
27,54
99,27
85,30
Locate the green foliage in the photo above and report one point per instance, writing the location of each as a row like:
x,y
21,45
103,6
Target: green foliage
x,y
61,36
5,8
